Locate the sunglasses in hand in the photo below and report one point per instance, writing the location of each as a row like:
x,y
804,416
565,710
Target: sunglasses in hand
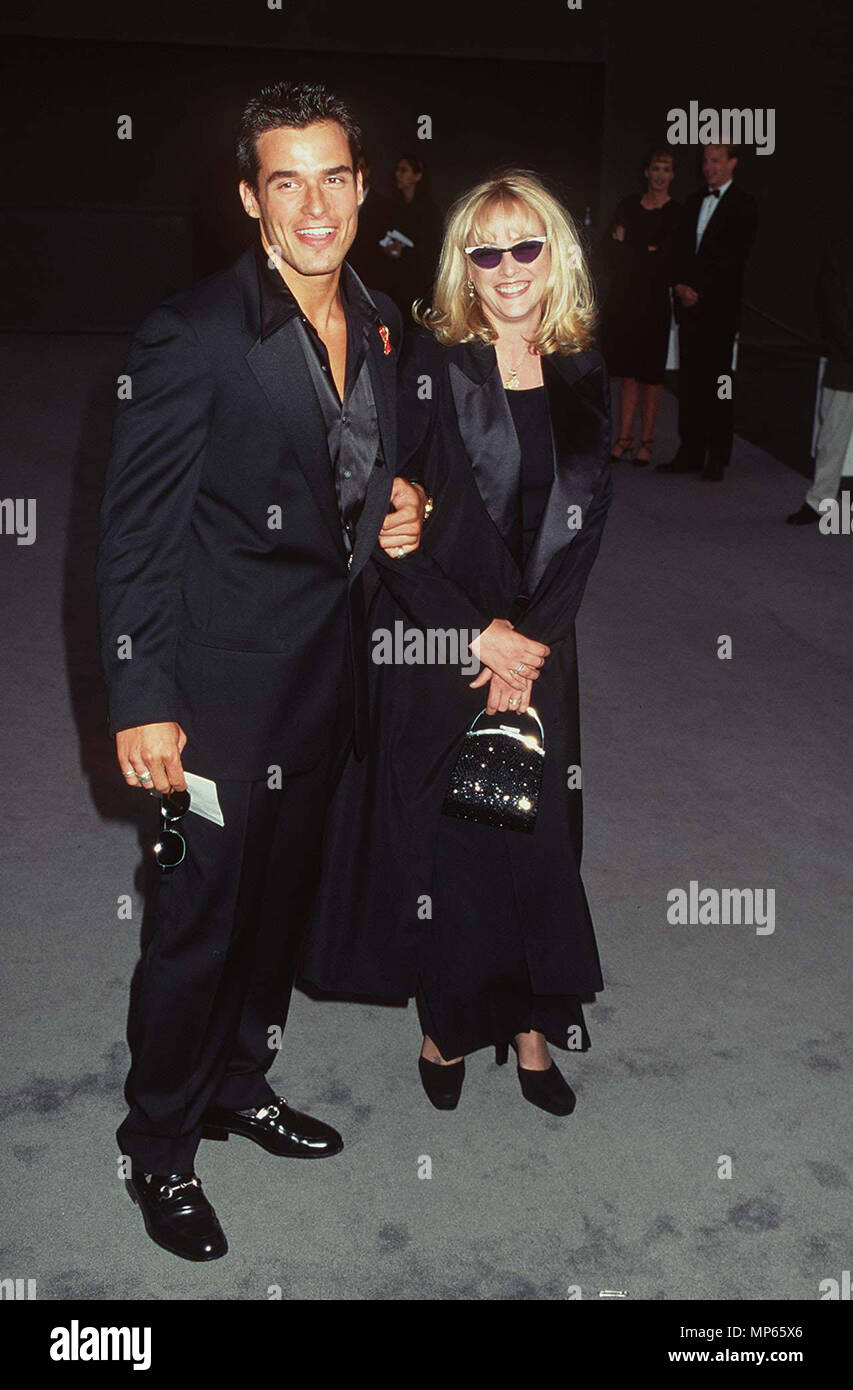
x,y
171,847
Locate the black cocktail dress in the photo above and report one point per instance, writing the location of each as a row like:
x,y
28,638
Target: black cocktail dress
x,y
637,311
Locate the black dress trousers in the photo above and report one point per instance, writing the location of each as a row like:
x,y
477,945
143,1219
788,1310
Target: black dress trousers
x,y
705,422
212,997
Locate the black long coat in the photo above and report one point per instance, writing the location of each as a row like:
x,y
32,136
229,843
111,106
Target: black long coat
x,y
373,920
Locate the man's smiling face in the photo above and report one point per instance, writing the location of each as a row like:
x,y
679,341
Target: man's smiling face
x,y
307,196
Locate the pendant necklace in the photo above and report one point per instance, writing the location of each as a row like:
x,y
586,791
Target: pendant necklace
x,y
511,381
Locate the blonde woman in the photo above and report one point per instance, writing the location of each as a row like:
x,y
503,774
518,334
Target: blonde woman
x,y
504,419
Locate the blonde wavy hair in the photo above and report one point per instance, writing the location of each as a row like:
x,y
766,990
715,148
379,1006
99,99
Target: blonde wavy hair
x,y
568,301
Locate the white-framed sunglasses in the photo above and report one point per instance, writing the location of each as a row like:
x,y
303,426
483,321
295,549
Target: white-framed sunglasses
x,y
488,257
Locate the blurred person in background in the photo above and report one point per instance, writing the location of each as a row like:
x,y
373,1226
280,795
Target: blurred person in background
x,y
712,244
376,215
418,217
834,454
638,310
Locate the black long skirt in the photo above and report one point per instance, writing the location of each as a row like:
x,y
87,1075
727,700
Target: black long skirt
x,y
474,989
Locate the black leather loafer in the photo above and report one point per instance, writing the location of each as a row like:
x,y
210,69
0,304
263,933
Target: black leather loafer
x,y
277,1128
177,1214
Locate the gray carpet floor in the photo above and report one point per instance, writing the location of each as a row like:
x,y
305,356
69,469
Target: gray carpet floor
x,y
708,1041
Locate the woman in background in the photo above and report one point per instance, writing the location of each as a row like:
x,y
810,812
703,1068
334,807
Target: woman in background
x,y
637,313
419,218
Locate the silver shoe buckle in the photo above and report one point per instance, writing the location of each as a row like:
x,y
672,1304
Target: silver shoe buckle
x,y
270,1112
179,1186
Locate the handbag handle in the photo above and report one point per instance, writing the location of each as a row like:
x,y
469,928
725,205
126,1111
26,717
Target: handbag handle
x,y
509,729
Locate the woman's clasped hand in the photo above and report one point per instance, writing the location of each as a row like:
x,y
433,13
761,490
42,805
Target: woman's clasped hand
x,y
511,663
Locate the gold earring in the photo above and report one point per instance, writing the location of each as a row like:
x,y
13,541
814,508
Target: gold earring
x,y
472,293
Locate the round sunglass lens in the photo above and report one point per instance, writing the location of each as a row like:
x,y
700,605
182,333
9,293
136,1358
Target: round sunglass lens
x,y
177,804
169,849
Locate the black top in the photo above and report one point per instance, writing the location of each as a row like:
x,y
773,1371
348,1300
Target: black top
x,y
645,227
529,410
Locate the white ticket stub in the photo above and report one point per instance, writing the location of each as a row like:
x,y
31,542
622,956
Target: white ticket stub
x,y
203,798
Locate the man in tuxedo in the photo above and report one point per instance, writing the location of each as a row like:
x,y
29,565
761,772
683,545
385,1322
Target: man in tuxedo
x,y
715,237
250,481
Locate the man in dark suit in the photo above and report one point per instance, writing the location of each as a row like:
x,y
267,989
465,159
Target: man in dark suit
x,y
251,477
716,234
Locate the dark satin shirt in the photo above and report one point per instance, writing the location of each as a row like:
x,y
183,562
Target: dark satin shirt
x,y
352,427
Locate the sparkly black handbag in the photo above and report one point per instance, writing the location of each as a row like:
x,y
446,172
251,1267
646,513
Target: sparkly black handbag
x,y
498,773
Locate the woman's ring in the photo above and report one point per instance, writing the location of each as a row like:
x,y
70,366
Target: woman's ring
x,y
519,668
144,776
512,701
399,552
130,772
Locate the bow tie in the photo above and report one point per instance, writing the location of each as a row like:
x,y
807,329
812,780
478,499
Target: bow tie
x,y
712,192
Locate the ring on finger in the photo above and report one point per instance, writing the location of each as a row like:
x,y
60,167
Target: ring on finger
x,y
519,668
399,552
144,776
130,772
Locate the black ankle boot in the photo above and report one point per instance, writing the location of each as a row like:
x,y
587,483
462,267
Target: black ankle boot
x,y
442,1083
549,1090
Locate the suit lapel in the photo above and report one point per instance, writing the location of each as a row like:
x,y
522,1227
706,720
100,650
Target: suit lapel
x,y
691,218
383,379
485,424
280,368
719,217
580,428
726,213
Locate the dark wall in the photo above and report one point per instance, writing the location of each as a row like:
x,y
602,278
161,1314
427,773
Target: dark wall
x,y
112,225
796,58
471,62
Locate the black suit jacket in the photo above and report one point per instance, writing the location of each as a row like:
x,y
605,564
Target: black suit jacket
x,y
715,271
221,555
